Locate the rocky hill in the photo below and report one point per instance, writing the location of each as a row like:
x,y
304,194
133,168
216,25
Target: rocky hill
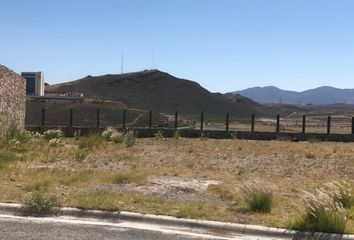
x,y
157,91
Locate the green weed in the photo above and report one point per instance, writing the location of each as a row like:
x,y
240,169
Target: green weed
x,y
40,204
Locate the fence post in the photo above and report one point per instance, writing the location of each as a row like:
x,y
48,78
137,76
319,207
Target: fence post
x,y
71,118
352,125
43,117
124,117
278,123
98,118
150,119
252,123
176,121
201,120
303,124
227,121
329,125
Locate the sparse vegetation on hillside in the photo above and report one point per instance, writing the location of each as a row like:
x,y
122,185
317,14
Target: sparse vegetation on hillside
x,y
149,87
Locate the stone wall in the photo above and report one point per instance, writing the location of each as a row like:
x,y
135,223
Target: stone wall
x,y
12,98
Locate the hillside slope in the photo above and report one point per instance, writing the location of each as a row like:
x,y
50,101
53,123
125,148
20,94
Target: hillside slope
x,y
157,91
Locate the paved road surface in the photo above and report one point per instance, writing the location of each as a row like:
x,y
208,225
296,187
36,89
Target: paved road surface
x,y
19,228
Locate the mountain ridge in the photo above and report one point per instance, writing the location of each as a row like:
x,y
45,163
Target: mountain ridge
x,y
322,95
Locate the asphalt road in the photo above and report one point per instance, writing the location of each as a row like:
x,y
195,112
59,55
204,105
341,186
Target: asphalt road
x,y
43,229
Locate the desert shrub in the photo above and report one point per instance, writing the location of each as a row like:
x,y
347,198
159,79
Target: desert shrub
x,y
90,141
52,134
107,134
340,192
37,137
15,135
81,154
129,139
322,213
258,196
54,142
40,204
111,134
117,137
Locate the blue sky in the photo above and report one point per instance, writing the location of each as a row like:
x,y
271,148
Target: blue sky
x,y
224,45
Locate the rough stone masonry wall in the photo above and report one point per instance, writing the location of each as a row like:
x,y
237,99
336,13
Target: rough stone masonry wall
x,y
12,98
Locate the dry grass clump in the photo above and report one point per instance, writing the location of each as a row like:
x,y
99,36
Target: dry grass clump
x,y
90,141
81,154
322,213
258,195
111,134
107,134
86,144
130,139
340,192
325,209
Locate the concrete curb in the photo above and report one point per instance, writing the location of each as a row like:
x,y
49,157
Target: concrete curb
x,y
253,230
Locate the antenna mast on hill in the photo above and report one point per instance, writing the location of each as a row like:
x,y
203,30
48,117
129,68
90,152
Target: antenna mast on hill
x,y
122,63
152,58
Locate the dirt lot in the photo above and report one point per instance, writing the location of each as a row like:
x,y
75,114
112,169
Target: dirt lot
x,y
197,178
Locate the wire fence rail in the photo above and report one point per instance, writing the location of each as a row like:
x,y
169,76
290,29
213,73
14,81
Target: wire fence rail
x,y
127,119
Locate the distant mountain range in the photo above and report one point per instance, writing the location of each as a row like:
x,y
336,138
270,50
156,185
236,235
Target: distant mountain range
x,y
321,95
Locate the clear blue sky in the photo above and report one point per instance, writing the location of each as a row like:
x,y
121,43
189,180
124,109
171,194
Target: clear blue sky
x,y
224,45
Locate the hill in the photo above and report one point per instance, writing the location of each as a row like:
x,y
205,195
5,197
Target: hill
x,y
157,91
321,95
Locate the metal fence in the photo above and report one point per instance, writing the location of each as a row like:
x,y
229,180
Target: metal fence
x,y
99,118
